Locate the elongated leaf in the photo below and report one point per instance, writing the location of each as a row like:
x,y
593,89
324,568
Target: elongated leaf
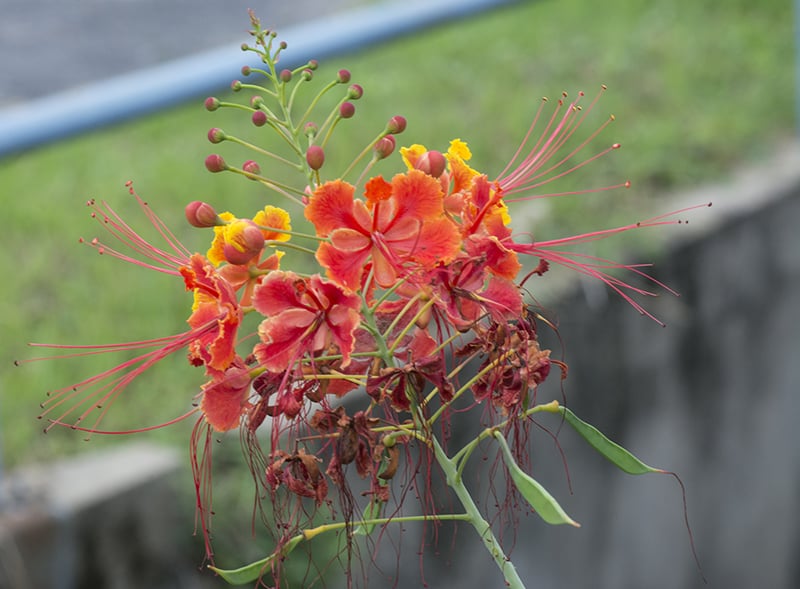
x,y
615,453
533,492
371,511
251,572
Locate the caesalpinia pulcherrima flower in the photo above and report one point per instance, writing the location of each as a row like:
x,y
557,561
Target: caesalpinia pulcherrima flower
x,y
423,302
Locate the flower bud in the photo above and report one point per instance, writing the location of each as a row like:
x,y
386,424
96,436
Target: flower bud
x,y
310,129
259,118
256,101
306,75
385,146
355,92
312,64
397,124
286,76
236,85
315,156
201,214
211,103
246,70
215,163
347,110
343,77
243,241
432,163
251,167
216,135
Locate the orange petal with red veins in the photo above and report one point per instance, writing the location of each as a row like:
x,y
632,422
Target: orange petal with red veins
x,y
344,268
331,207
439,241
417,195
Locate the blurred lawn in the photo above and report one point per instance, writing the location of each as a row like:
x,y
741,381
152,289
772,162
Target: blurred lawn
x,y
698,88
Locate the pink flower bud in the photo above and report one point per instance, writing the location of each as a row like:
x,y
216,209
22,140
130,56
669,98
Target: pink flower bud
x,y
236,85
355,92
215,163
211,103
201,214
286,76
306,74
347,110
256,101
216,135
259,118
315,156
385,146
246,70
397,124
312,64
251,167
310,129
343,76
432,163
243,242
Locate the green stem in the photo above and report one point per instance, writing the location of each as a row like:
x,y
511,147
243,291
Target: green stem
x,y
477,521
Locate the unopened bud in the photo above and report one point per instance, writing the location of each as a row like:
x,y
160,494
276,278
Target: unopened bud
x,y
259,118
315,156
354,92
216,135
385,146
244,241
310,129
432,163
307,74
256,101
215,163
211,103
347,110
201,214
236,85
246,70
251,167
312,64
286,76
397,124
343,77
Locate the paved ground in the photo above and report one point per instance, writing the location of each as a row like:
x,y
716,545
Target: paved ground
x,y
51,45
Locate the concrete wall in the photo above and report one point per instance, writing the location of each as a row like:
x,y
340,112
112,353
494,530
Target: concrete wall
x,y
714,396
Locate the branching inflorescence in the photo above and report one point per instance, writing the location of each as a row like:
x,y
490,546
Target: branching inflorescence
x,y
418,309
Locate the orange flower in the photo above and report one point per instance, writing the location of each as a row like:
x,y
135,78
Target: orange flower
x,y
397,233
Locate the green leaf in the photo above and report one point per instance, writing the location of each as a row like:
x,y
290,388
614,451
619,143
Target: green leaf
x,y
615,453
371,511
533,492
251,572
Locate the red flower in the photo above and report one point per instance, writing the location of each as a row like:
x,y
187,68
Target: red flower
x,y
402,224
303,316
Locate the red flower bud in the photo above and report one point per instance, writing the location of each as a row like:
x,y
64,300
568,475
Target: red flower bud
x,y
355,92
385,146
211,103
236,85
259,118
347,110
244,244
251,167
246,70
343,76
286,76
201,214
216,135
315,156
432,163
215,163
397,124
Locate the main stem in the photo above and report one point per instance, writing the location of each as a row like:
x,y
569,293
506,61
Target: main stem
x,y
477,520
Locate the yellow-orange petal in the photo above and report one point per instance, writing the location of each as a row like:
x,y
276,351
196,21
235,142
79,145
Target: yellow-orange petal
x,y
276,218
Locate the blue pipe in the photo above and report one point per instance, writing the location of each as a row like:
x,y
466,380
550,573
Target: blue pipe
x,y
48,119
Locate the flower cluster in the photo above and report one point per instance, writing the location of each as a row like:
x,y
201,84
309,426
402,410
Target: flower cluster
x,y
418,302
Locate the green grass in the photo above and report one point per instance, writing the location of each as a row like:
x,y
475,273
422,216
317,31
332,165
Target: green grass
x,y
698,89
